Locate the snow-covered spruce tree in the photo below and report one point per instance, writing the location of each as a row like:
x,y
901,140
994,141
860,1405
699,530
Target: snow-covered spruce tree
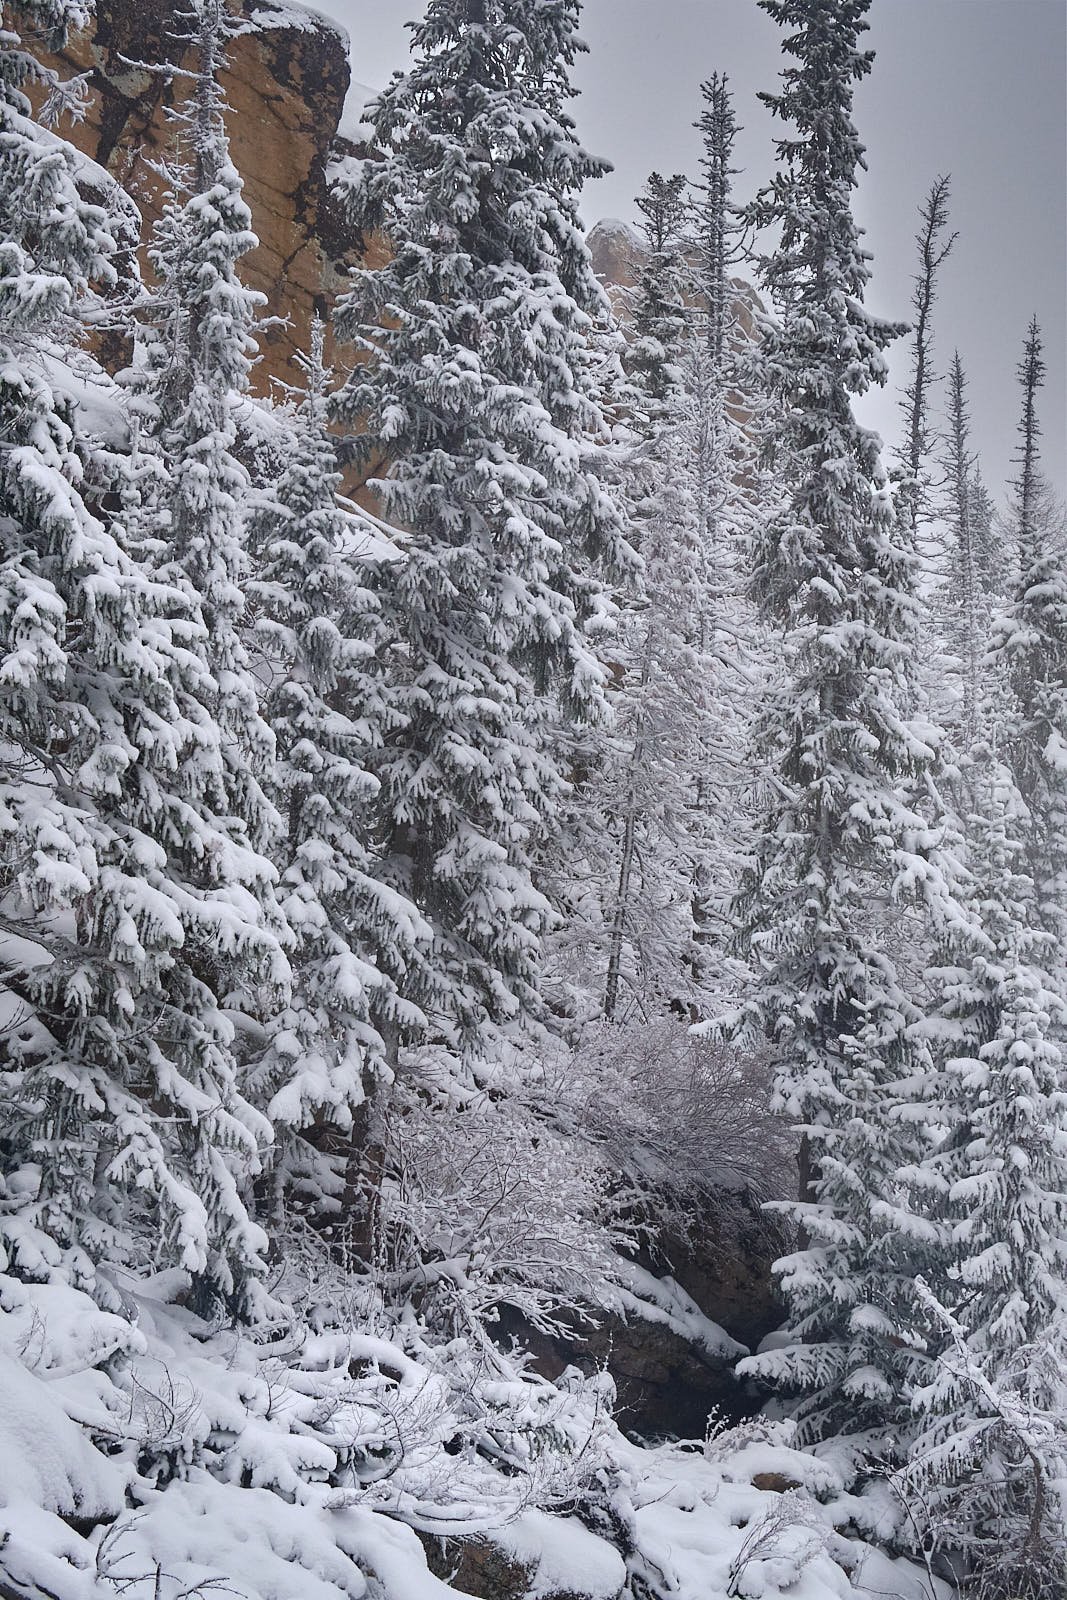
x,y
992,559
716,218
727,413
995,1185
993,1194
659,311
356,940
913,500
823,904
127,911
477,388
966,606
1029,647
719,451
916,464
198,345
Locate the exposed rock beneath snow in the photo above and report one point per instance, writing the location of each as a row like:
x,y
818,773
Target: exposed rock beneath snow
x,y
536,1557
672,1347
726,1268
476,1567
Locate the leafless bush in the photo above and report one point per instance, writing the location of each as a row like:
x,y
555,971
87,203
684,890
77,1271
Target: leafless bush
x,y
148,1580
688,1115
779,1546
491,1205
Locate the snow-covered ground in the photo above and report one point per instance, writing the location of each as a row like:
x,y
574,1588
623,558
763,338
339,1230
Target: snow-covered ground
x,y
144,1453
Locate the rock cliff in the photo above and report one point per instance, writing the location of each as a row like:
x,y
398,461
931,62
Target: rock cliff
x,y
286,85
619,253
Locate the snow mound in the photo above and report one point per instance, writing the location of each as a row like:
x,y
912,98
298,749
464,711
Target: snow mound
x,y
46,1463
562,1554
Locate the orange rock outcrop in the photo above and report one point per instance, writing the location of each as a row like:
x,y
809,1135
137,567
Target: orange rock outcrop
x,y
286,86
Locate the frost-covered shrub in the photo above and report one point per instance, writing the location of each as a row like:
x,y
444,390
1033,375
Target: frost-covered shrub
x,y
531,1186
680,1115
490,1202
521,1186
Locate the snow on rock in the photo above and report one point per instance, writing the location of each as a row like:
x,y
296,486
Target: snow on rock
x,y
286,84
393,1554
663,1301
55,1331
203,1531
297,19
615,228
562,1555
355,125
615,246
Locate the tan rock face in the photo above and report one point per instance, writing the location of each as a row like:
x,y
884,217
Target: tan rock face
x,y
619,255
286,88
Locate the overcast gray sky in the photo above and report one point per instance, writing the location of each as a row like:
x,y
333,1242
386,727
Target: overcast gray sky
x,y
975,88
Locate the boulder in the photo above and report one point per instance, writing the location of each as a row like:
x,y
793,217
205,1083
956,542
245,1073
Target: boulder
x,y
552,1557
476,1567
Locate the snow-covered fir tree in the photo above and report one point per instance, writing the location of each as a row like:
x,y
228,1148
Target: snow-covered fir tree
x,y
716,218
721,459
946,672
913,500
332,1050
1030,647
966,604
992,1188
991,1197
824,902
477,386
197,348
659,311
992,559
129,911
727,414
638,807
